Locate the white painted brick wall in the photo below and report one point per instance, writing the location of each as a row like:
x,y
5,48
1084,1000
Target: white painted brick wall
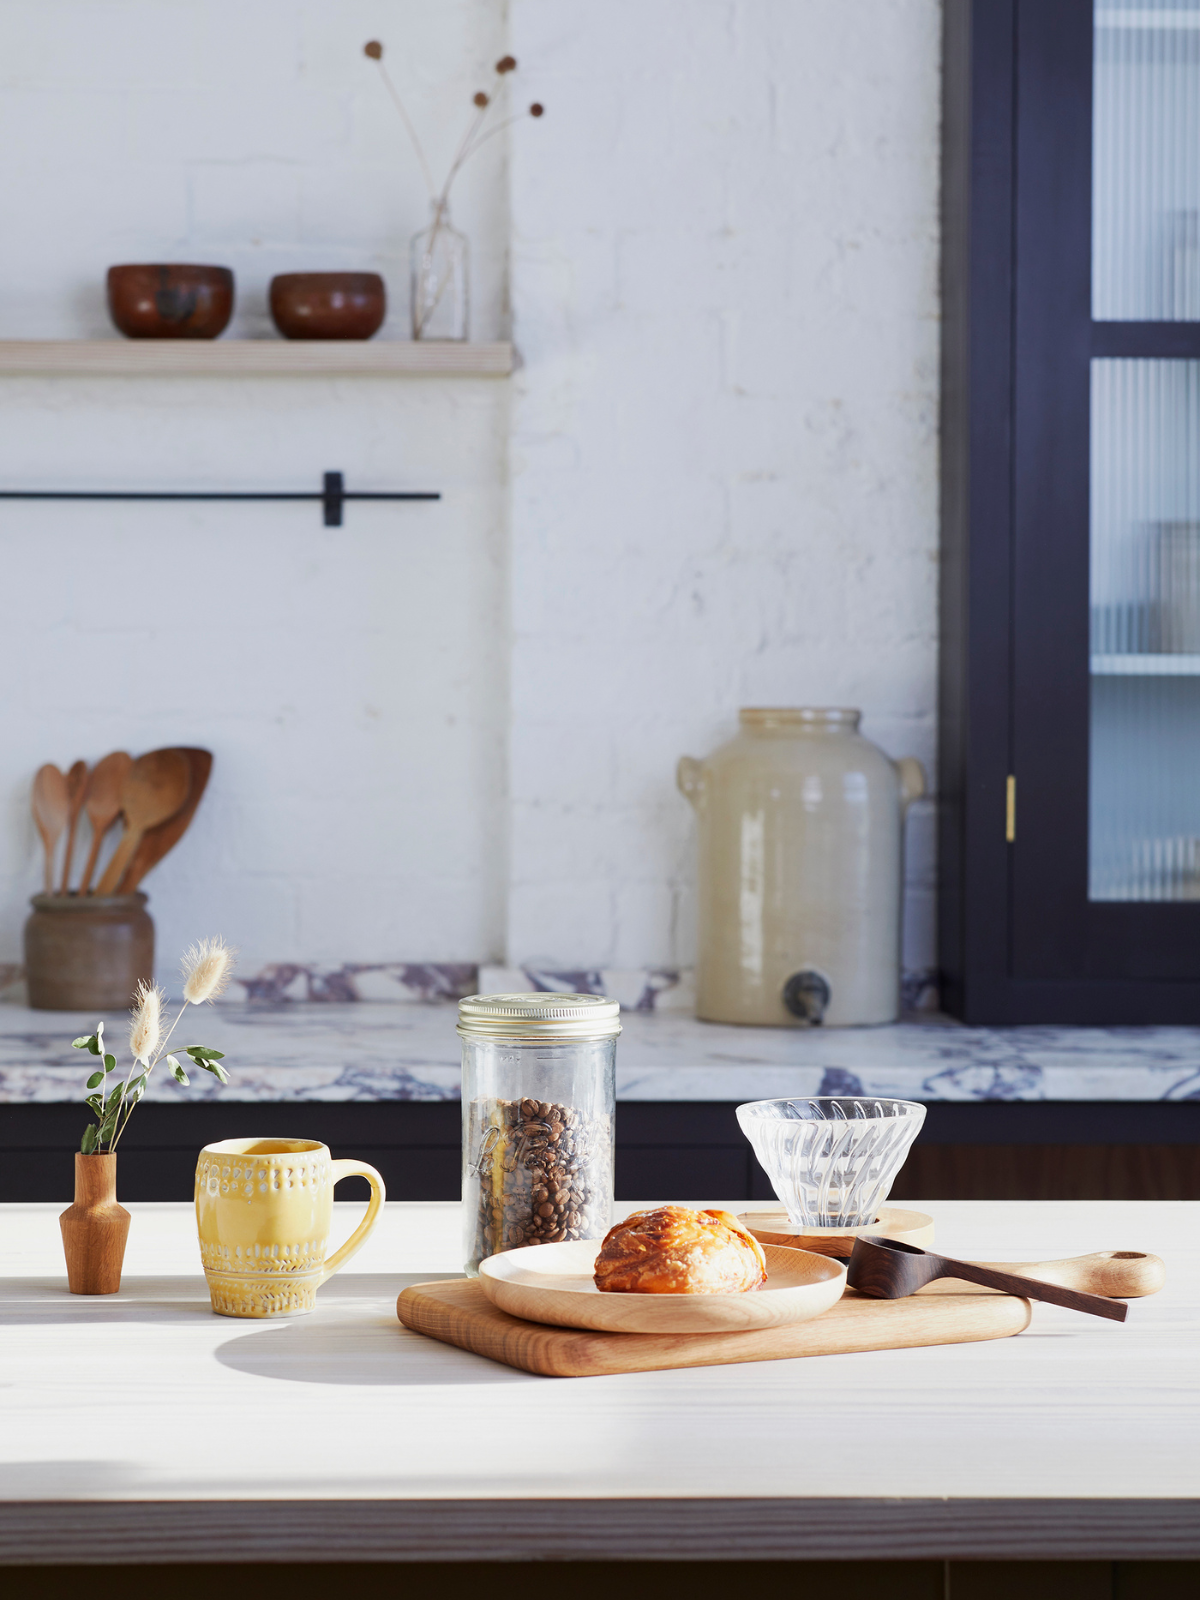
x,y
724,437
250,132
351,681
721,450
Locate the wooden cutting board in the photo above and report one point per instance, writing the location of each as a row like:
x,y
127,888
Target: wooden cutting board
x,y
457,1311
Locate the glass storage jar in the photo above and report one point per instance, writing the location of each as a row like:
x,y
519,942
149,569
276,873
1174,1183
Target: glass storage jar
x,y
538,1102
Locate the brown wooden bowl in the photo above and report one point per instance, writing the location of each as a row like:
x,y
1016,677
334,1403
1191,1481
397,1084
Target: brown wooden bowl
x,y
328,305
170,301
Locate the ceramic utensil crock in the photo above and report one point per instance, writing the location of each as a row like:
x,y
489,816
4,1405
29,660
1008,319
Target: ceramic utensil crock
x,y
263,1209
801,830
87,952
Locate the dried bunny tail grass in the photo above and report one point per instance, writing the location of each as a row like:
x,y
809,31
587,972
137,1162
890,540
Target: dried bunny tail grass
x,y
207,968
145,1029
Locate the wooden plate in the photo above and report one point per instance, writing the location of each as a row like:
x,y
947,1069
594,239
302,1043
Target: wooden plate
x,y
553,1283
773,1227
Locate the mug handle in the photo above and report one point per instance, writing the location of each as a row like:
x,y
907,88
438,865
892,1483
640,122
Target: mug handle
x,y
352,1169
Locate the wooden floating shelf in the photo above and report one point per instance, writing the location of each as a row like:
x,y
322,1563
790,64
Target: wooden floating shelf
x,y
251,358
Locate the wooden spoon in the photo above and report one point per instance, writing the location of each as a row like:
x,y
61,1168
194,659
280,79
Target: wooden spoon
x,y
885,1269
102,802
157,841
76,789
155,787
51,807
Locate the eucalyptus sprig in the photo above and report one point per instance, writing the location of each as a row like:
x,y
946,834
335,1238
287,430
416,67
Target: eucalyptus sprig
x,y
474,135
207,967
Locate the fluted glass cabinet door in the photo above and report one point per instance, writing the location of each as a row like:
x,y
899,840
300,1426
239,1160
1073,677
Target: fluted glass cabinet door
x,y
1144,822
1105,721
1144,800
1146,161
1069,699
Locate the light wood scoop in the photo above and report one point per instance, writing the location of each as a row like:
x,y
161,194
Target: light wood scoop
x,y
102,803
885,1269
155,787
76,789
51,809
1119,1274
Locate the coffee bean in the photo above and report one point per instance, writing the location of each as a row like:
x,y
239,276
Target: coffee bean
x,y
543,1171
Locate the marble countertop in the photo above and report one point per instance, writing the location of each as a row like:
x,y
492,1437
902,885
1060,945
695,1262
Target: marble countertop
x,y
388,1051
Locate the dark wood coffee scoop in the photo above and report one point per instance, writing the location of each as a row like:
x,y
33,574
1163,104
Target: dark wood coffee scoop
x,y
885,1269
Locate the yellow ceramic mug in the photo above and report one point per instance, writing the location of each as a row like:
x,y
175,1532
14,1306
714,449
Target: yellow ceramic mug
x,y
263,1208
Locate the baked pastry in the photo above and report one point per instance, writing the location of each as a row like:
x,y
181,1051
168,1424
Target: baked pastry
x,y
672,1250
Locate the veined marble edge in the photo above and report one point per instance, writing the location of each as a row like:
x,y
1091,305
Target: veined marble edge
x,y
384,1051
645,989
580,1527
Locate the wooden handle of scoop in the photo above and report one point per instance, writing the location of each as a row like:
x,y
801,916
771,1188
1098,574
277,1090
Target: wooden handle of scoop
x,y
1096,1305
1117,1274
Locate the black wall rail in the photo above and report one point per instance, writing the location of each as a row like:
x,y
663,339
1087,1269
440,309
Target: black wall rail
x,y
332,496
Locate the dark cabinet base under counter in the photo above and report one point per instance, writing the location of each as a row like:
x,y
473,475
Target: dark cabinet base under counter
x,y
666,1150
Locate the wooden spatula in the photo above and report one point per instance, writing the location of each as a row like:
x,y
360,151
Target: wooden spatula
x,y
102,803
157,841
885,1269
51,807
76,789
155,787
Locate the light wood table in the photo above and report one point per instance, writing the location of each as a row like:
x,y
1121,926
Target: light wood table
x,y
142,1428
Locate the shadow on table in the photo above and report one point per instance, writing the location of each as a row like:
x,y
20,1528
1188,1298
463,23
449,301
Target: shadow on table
x,y
360,1348
29,1302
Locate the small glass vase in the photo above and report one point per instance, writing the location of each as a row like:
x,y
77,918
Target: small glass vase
x,y
440,298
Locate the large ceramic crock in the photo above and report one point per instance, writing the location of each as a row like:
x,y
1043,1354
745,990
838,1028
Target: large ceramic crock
x,y
801,855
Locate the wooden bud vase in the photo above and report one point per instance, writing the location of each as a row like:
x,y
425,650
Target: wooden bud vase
x,y
95,1228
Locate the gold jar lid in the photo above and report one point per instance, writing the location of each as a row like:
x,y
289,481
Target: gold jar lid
x,y
540,1018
